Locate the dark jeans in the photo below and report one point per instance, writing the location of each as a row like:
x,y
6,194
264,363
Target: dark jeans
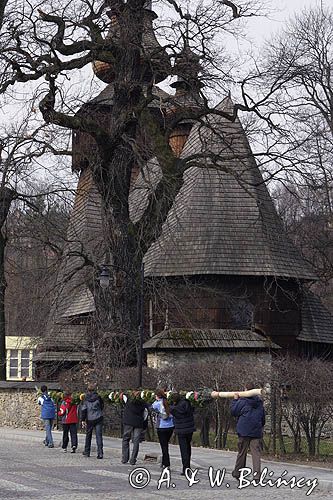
x,y
98,426
164,436
72,429
128,433
244,443
184,441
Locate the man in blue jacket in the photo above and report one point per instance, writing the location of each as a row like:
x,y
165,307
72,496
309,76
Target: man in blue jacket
x,y
48,412
250,415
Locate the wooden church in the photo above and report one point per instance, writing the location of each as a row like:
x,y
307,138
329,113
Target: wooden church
x,y
222,278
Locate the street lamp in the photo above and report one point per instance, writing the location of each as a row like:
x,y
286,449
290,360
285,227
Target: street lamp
x,y
104,281
104,277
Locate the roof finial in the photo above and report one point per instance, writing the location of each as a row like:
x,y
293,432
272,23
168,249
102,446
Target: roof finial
x,y
187,18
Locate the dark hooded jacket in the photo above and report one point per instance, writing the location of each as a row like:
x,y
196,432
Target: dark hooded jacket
x,y
182,413
251,416
92,408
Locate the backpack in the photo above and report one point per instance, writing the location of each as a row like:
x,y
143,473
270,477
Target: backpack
x,y
48,407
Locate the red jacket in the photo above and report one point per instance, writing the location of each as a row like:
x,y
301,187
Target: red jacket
x,y
68,412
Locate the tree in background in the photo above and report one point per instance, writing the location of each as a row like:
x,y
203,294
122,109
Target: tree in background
x,y
25,153
51,44
299,67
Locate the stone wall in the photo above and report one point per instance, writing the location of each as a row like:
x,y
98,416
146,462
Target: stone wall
x,y
167,359
18,405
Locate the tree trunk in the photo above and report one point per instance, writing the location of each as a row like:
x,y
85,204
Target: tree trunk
x,y
6,198
2,309
205,427
225,432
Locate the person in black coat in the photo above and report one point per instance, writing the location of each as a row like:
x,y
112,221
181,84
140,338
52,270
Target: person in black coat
x,y
135,412
182,412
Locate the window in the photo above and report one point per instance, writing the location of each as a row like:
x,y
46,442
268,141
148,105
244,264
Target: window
x,y
19,364
13,363
25,363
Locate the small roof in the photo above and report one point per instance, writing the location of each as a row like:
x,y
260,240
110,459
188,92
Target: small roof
x,y
223,220
181,338
317,321
62,356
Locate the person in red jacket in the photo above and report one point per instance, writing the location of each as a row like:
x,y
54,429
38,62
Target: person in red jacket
x,y
69,413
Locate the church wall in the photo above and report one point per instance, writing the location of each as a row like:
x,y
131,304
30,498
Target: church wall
x,y
169,359
221,302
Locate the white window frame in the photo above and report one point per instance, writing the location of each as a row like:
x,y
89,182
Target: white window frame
x,y
19,363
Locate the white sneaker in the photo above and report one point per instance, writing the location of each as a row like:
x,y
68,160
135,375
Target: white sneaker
x,y
64,450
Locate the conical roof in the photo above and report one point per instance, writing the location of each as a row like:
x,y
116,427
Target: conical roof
x,y
223,220
316,320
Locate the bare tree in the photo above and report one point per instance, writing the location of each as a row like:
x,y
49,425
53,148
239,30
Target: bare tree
x,y
23,145
305,398
52,44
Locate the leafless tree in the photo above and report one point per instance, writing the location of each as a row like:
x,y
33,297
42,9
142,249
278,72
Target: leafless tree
x,y
305,398
23,146
51,42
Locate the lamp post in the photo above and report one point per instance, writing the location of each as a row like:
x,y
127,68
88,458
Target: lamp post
x,y
104,281
141,326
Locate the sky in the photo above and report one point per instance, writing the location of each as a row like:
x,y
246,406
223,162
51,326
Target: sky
x,y
262,28
258,29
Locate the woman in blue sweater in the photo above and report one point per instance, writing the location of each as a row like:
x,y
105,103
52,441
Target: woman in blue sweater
x,y
164,425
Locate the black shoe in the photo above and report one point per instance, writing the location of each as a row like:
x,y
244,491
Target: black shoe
x,y
86,454
132,463
100,457
123,462
73,450
51,446
182,473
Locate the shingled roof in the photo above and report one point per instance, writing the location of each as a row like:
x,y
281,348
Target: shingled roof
x,y
180,338
84,239
317,321
223,220
72,297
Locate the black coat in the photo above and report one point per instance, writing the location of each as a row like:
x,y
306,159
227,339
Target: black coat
x,y
133,413
182,414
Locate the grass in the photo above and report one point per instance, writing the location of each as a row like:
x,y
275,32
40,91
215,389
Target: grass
x,y
326,445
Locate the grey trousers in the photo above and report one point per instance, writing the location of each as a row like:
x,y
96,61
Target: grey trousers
x,y
244,444
129,433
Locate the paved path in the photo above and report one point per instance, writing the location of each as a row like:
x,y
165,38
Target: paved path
x,y
28,470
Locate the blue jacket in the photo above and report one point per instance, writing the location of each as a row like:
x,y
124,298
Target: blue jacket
x,y
251,416
162,423
48,407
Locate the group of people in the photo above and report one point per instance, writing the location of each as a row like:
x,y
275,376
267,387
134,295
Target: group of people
x,y
177,417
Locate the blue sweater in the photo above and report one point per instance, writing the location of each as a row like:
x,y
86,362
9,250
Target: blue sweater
x,y
251,416
162,423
